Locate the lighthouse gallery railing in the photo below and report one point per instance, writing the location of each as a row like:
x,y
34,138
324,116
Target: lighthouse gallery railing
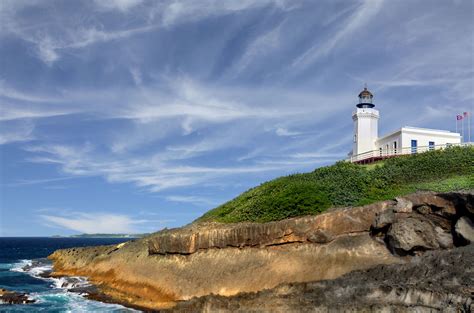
x,y
391,152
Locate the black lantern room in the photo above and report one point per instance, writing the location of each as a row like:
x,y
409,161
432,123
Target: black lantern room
x,y
365,99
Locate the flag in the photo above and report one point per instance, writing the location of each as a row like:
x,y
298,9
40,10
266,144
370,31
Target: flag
x,y
459,117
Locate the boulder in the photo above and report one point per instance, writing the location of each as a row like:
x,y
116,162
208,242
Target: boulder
x,y
424,209
383,219
445,239
465,229
411,234
11,297
403,205
439,203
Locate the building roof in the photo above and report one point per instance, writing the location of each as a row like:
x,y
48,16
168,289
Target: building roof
x,y
441,132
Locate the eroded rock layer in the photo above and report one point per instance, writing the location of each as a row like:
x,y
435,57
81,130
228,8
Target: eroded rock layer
x,y
227,259
438,281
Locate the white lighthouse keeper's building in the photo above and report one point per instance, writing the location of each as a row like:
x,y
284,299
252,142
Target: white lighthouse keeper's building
x,y
406,140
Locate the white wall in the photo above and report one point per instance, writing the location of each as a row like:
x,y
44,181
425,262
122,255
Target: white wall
x,y
389,140
423,137
404,136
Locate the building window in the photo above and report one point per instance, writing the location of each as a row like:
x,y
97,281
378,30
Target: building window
x,y
380,150
414,145
395,147
431,145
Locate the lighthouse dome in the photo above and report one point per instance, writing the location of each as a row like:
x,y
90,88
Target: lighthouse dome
x,y
366,94
365,99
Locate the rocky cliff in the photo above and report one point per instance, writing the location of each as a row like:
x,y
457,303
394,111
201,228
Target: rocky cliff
x,y
176,265
441,281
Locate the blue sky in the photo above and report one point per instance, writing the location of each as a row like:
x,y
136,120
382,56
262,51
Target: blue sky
x,y
134,115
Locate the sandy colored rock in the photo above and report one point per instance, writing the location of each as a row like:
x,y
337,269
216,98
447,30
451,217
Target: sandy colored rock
x,y
319,228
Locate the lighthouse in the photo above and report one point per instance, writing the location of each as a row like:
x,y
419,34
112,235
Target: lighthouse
x,y
369,147
366,120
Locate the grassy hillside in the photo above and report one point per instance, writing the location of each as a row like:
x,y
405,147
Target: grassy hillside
x,y
346,184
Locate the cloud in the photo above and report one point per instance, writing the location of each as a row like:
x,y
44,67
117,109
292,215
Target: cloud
x,y
47,50
28,182
152,172
262,46
52,36
16,132
280,131
120,5
191,199
49,47
361,17
11,112
178,11
15,94
93,223
136,75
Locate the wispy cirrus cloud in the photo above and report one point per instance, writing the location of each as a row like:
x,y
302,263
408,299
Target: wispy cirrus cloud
x,y
120,5
361,17
93,223
15,131
177,11
155,172
196,200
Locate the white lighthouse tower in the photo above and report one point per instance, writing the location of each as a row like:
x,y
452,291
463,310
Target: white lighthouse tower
x,y
366,120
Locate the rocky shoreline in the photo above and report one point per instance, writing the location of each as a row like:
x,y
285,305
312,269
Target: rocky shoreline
x,y
12,297
203,267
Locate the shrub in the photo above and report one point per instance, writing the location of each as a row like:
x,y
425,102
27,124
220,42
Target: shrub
x,y
347,184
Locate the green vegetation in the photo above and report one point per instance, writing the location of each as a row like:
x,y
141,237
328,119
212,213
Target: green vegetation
x,y
346,184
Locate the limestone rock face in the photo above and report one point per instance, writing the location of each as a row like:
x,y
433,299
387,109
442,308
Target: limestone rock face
x,y
465,229
321,228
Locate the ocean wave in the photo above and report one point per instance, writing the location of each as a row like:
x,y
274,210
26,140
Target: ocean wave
x,y
20,266
66,293
71,282
61,300
41,268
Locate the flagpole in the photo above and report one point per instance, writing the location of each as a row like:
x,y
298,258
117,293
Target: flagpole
x,y
469,125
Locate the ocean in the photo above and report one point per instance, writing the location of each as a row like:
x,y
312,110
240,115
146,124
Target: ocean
x,y
23,260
